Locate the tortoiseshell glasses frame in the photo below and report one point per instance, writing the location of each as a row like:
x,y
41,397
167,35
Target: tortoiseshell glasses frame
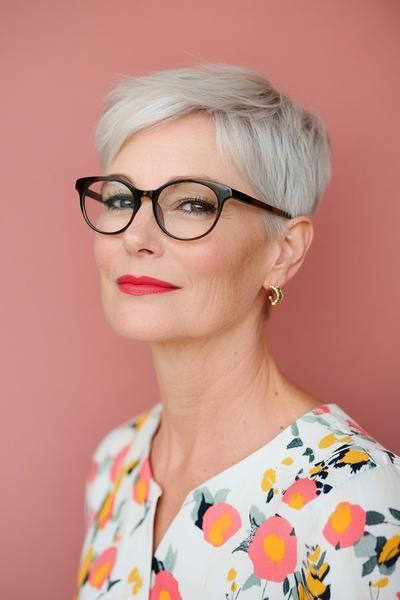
x,y
223,193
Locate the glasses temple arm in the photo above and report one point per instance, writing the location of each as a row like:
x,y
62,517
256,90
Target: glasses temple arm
x,y
94,195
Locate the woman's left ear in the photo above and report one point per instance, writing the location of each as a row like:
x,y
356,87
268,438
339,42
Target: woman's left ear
x,y
292,249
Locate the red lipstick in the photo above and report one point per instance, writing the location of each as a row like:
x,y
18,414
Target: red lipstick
x,y
138,286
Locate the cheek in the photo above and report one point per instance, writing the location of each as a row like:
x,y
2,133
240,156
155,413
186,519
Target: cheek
x,y
234,258
102,251
225,271
104,258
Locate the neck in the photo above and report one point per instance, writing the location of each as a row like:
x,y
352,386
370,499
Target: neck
x,y
222,398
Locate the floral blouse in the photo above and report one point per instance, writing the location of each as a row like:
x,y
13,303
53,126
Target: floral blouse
x,y
314,513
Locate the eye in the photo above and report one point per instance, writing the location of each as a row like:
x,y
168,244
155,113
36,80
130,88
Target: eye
x,y
200,206
125,201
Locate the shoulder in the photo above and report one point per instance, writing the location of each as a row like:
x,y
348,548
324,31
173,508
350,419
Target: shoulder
x,y
339,459
109,456
342,446
350,536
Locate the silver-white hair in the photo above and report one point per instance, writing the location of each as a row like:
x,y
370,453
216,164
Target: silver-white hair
x,y
280,147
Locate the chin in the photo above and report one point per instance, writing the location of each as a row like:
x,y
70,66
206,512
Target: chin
x,y
142,329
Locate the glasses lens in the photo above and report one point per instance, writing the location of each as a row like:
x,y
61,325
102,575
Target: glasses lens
x,y
108,205
187,209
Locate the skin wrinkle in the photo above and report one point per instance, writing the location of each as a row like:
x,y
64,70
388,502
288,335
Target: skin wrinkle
x,y
223,395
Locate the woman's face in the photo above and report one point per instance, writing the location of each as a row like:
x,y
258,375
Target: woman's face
x,y
220,276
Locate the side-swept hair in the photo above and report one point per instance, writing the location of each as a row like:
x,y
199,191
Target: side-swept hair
x,y
280,147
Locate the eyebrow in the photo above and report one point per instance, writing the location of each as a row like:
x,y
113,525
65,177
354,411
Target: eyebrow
x,y
170,180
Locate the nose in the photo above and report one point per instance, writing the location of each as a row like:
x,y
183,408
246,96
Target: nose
x,y
144,213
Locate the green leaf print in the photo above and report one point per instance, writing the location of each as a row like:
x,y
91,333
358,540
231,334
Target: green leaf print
x,y
250,581
365,545
374,517
369,566
395,513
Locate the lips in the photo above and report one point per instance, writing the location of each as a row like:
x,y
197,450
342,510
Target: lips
x,y
145,281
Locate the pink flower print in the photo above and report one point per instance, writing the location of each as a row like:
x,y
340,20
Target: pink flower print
x,y
346,525
356,426
220,522
273,550
302,491
140,491
117,462
165,587
101,568
320,410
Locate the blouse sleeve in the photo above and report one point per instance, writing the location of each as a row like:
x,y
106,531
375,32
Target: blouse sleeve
x,y
354,547
105,463
95,477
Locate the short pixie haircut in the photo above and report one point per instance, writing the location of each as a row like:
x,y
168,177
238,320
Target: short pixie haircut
x,y
281,148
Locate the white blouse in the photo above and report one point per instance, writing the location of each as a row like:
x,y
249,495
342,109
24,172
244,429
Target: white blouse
x,y
314,513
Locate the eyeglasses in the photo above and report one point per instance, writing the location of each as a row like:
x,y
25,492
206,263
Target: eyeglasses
x,y
185,209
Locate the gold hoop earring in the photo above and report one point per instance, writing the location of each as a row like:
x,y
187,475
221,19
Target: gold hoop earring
x,y
278,295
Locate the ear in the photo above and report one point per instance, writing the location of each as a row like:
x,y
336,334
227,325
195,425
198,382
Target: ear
x,y
291,250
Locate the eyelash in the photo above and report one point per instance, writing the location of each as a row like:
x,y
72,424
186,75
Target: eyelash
x,y
209,208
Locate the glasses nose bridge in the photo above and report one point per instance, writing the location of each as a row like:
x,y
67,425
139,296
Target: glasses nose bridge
x,y
148,193
139,194
151,194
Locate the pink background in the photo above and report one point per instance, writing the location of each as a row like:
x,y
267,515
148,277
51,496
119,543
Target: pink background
x,y
67,378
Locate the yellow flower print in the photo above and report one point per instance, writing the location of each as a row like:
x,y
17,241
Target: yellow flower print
x,y
141,420
390,551
318,469
301,591
136,579
317,574
106,510
84,567
331,438
314,576
130,466
268,479
230,577
101,568
354,456
121,474
315,586
380,583
141,491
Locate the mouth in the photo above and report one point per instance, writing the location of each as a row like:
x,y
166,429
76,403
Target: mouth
x,y
140,286
143,289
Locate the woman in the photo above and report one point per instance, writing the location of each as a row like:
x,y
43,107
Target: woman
x,y
237,483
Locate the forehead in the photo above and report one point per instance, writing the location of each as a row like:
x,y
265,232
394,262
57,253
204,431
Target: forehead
x,y
183,146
